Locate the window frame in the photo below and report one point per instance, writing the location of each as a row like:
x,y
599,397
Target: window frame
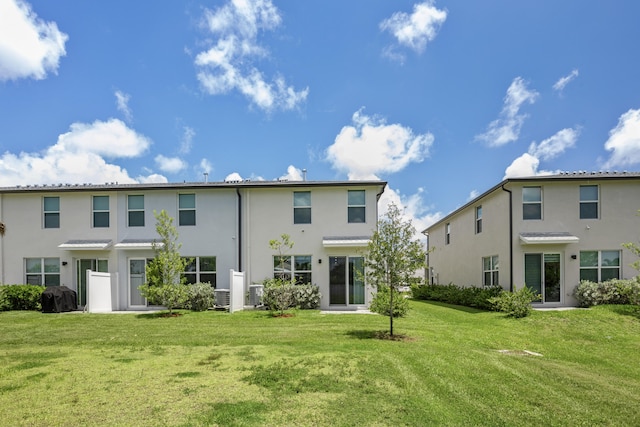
x,y
182,219
599,267
478,222
131,210
302,209
43,274
198,271
585,202
493,271
447,233
99,213
50,213
526,203
299,274
356,207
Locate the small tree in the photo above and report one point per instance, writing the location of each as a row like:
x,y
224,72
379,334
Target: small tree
x,y
165,284
393,257
279,291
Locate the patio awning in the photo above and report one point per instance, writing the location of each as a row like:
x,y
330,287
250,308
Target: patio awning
x,y
136,244
85,245
548,238
345,241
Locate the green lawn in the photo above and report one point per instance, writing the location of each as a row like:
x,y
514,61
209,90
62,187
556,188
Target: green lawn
x,y
250,369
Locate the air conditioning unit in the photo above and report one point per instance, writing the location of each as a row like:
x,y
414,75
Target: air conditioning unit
x,y
223,297
255,295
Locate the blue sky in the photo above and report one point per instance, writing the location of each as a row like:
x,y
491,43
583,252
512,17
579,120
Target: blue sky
x,y
442,99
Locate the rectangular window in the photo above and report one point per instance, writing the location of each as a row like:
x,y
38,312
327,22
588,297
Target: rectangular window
x,y
447,233
302,207
490,266
52,212
135,210
356,206
42,271
201,269
186,209
101,211
589,201
599,266
531,203
478,219
297,267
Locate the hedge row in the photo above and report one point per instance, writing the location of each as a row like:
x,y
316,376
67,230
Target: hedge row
x,y
20,297
471,296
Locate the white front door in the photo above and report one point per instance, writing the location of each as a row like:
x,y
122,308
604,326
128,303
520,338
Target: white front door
x,y
136,279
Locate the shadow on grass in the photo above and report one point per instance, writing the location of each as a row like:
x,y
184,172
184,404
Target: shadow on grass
x,y
627,310
378,335
159,315
464,308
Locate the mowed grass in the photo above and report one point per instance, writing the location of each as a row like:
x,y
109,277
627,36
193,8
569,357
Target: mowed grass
x,y
313,369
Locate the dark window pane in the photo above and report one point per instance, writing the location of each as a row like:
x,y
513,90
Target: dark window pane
x,y
51,204
588,193
532,211
302,262
303,278
208,278
609,273
589,210
136,218
356,197
356,214
136,202
51,220
100,203
531,194
191,278
207,263
187,201
589,274
302,198
589,259
52,280
34,279
302,215
187,218
191,265
101,219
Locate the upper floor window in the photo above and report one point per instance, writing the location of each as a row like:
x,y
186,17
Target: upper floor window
x,y
490,266
478,219
201,269
531,203
599,266
356,206
135,210
302,207
100,211
42,271
589,201
52,212
186,209
296,267
447,233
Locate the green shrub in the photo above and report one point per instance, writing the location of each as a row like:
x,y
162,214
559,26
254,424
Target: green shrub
x,y
21,297
381,302
515,304
307,297
278,294
201,297
167,295
615,291
471,296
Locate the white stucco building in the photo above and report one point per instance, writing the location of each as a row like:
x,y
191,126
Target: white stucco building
x,y
547,232
54,233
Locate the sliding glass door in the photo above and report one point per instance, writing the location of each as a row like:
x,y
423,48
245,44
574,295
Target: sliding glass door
x,y
542,274
346,280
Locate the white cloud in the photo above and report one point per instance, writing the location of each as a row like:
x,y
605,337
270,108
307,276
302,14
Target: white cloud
x,y
293,174
78,157
528,163
624,141
187,140
472,195
29,47
563,81
370,147
413,30
122,103
234,176
229,64
170,164
412,208
506,128
205,166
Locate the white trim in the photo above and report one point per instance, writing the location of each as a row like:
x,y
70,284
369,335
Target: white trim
x,y
87,245
344,242
543,239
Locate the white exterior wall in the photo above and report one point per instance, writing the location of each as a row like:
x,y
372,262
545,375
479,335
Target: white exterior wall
x,y
266,211
618,222
269,214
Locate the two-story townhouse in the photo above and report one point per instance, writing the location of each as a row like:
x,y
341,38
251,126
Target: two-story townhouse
x,y
548,232
53,234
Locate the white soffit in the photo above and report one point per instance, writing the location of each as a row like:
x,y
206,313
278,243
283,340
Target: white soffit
x,y
137,244
85,245
345,242
548,238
